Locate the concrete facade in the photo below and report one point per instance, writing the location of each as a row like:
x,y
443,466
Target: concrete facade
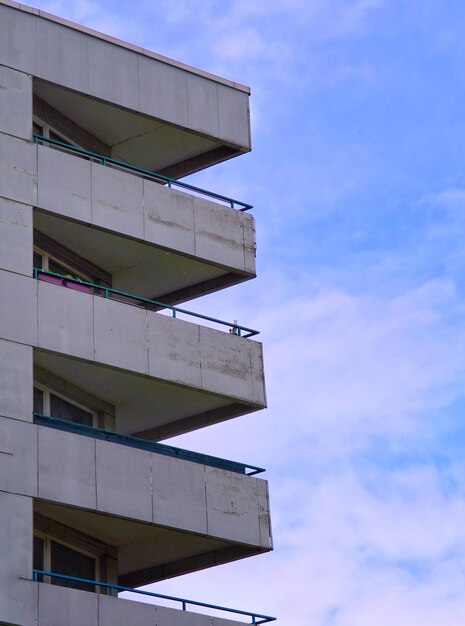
x,y
92,378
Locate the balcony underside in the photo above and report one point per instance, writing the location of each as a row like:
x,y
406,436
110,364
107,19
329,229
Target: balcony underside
x,y
152,271
146,552
145,406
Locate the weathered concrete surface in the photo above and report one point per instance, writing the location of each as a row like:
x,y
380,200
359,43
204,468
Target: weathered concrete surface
x,y
15,380
18,597
136,484
18,457
133,79
59,606
15,103
123,336
17,169
128,205
16,228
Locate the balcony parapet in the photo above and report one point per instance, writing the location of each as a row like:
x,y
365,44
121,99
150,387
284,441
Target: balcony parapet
x,y
118,604
144,444
113,590
81,285
138,171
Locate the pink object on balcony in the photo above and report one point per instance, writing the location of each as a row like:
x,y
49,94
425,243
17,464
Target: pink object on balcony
x,y
56,280
76,286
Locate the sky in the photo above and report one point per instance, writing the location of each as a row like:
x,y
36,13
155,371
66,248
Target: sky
x,y
357,176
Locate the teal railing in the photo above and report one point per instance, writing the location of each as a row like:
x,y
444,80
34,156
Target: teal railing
x,y
235,329
170,182
146,444
256,618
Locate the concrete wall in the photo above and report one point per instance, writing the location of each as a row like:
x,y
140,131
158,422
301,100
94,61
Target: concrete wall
x,y
127,78
70,607
140,485
112,333
126,204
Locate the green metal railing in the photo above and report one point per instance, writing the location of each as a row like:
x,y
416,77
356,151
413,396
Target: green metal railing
x,y
256,618
235,329
170,182
146,444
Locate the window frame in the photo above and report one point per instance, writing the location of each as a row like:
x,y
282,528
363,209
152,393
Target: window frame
x,y
47,391
47,555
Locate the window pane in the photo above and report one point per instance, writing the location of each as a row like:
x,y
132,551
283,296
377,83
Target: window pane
x,y
38,400
38,555
38,130
66,561
66,411
38,261
58,268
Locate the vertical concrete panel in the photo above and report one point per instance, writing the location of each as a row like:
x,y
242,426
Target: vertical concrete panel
x,y
163,91
59,606
16,241
174,350
120,335
113,73
18,598
18,307
233,111
15,380
119,612
117,201
258,376
18,457
232,510
62,55
169,217
124,481
65,320
248,227
218,233
66,466
202,97
179,497
264,514
225,362
17,169
15,103
68,194
17,39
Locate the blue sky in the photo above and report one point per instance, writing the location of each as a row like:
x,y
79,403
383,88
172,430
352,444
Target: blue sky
x,y
358,179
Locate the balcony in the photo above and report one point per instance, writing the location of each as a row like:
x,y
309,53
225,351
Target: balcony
x,y
74,607
162,242
199,513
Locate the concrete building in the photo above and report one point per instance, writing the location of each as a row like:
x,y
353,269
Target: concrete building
x,y
97,361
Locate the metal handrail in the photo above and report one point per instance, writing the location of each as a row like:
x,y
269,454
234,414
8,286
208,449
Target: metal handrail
x,y
105,160
235,328
145,444
256,618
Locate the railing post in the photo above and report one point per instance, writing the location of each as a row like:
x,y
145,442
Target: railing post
x,y
174,312
183,605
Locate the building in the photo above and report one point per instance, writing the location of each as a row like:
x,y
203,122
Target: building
x,y
98,363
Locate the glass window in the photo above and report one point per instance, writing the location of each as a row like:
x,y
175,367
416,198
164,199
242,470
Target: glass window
x,y
38,261
64,410
38,555
38,400
64,560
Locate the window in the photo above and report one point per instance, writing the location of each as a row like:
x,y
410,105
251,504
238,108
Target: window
x,y
42,128
61,558
47,402
45,261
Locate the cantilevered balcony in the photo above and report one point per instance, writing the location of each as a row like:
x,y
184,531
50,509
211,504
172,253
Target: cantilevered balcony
x,y
72,606
163,242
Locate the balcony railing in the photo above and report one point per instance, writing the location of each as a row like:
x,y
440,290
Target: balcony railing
x,y
256,618
145,444
82,285
170,182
